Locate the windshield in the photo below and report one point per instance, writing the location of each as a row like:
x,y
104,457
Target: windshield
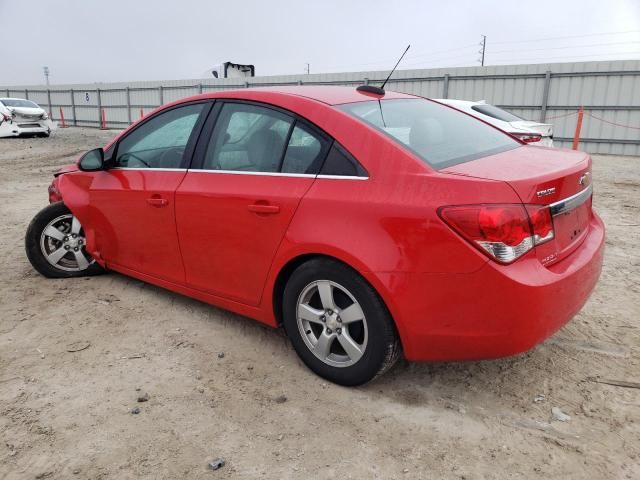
x,y
12,102
497,113
440,135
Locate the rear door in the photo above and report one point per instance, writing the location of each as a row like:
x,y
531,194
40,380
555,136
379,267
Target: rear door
x,y
233,208
134,200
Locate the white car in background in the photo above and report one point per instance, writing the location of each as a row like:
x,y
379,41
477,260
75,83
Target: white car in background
x,y
528,131
23,117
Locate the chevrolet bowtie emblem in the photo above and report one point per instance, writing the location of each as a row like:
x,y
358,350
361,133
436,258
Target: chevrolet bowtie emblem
x,y
584,179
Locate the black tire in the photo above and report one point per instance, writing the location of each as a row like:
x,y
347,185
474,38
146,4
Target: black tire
x,y
382,348
36,256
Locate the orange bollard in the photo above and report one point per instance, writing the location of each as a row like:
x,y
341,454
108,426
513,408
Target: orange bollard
x,y
63,125
103,123
576,136
141,113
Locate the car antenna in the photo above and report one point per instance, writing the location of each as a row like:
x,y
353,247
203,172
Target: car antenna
x,y
380,90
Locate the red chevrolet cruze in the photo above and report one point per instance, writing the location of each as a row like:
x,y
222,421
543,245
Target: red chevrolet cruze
x,y
365,224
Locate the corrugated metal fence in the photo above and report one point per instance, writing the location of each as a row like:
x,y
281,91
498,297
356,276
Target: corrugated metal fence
x,y
608,91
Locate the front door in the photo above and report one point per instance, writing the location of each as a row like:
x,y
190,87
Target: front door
x,y
234,210
134,201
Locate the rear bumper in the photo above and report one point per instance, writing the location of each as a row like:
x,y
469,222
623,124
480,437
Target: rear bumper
x,y
496,311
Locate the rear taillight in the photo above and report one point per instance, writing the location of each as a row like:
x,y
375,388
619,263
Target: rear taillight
x,y
528,137
503,232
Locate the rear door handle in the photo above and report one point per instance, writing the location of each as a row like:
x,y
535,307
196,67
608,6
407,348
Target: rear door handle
x,y
157,201
262,208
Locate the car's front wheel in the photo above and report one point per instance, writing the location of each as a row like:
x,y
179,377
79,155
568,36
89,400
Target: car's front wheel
x,y
56,245
338,324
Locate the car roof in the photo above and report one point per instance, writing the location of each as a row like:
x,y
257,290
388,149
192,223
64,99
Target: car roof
x,y
331,95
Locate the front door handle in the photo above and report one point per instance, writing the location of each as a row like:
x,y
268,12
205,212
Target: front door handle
x,y
262,208
157,201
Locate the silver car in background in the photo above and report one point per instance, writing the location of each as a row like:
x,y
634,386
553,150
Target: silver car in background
x,y
534,133
23,117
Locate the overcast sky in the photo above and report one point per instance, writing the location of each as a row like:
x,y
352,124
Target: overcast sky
x,y
120,40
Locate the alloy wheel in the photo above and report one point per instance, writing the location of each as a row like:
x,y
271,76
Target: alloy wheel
x,y
63,244
332,323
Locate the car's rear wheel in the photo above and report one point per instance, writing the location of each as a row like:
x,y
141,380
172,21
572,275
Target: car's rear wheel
x,y
56,245
338,324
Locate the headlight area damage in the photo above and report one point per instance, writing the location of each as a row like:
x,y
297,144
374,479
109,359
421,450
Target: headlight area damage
x,y
18,121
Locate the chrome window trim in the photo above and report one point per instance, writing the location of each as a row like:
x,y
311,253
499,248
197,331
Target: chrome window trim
x,y
342,177
242,172
278,174
146,169
569,203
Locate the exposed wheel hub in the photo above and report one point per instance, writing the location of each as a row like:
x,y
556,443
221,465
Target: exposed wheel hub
x,y
62,244
332,319
73,242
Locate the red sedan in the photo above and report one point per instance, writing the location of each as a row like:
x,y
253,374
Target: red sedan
x,y
366,225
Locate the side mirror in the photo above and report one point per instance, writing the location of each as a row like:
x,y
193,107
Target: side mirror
x,y
92,161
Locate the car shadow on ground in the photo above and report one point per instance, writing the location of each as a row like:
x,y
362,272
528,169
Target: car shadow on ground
x,y
407,383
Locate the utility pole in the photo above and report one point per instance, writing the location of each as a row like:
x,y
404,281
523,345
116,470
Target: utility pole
x,y
46,75
483,45
307,68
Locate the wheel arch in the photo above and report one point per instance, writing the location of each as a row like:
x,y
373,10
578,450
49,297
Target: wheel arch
x,y
289,267
74,190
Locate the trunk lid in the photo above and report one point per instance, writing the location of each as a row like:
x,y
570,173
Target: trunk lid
x,y
544,129
544,176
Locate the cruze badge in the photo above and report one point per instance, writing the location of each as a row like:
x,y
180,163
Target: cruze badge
x,y
584,179
546,191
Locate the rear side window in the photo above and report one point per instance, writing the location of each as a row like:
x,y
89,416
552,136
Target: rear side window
x,y
248,138
439,135
497,113
305,152
340,163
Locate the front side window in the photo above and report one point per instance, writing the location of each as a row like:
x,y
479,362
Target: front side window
x,y
248,138
161,141
439,135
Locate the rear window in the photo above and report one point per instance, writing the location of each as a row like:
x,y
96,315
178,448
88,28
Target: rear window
x,y
18,103
440,135
497,113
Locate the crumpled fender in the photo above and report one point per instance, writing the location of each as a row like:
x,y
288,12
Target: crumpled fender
x,y
74,188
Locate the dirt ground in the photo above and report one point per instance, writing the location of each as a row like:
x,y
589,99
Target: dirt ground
x,y
68,414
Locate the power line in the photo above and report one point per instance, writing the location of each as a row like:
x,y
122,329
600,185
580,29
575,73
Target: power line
x,y
565,36
410,57
413,59
569,56
426,62
426,54
568,46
